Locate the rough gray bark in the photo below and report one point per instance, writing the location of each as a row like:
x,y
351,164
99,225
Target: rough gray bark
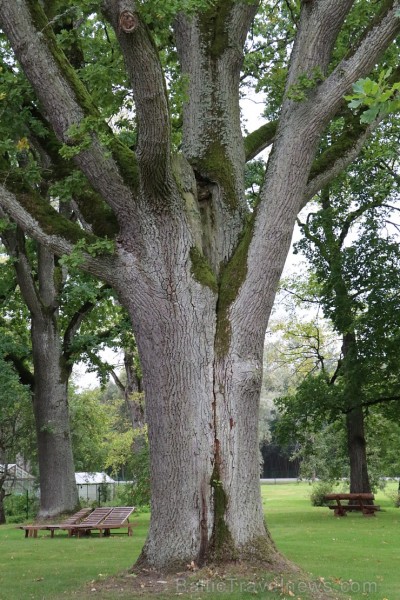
x,y
196,275
58,491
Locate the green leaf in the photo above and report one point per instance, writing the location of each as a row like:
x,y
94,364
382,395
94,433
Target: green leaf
x,y
358,86
355,103
369,115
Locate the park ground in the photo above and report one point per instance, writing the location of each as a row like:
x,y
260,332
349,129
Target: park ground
x,y
344,558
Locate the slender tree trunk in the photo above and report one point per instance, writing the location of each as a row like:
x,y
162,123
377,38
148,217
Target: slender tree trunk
x,y
133,392
344,323
2,510
356,443
58,491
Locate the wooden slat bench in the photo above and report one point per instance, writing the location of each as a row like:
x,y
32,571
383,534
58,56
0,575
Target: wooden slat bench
x,y
84,527
103,520
32,530
118,518
354,502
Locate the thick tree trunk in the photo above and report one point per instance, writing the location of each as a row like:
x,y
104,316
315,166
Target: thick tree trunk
x,y
174,320
201,409
58,491
203,426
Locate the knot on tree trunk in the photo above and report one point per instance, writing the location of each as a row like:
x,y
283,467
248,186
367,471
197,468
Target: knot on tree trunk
x,y
128,21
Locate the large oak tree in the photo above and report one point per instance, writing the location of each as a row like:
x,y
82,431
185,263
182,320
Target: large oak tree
x,y
195,269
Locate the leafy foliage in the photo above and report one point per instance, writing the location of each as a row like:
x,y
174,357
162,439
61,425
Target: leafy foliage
x,y
379,97
356,265
318,492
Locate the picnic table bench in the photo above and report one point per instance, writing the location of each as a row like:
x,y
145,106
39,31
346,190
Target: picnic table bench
x,y
354,502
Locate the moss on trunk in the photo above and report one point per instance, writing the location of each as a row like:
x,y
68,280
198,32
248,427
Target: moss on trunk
x,y
222,547
233,275
201,270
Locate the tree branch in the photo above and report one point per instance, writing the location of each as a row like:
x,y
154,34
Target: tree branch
x,y
117,381
373,403
389,169
54,231
73,327
337,157
14,241
353,216
319,26
26,377
320,245
145,72
67,103
337,372
330,93
259,140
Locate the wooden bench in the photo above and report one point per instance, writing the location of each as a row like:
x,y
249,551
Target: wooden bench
x,y
103,520
354,502
32,530
84,527
118,518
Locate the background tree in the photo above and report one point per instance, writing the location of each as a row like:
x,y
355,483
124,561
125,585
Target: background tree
x,y
196,271
359,286
58,305
356,280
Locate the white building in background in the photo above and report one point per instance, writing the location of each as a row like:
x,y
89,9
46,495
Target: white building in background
x,y
95,486
18,480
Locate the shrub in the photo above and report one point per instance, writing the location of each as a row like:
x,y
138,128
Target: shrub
x,y
319,491
395,498
20,507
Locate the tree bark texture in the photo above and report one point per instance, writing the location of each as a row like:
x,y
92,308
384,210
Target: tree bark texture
x,y
197,273
58,490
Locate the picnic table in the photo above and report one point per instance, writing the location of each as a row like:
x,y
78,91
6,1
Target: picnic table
x,y
361,502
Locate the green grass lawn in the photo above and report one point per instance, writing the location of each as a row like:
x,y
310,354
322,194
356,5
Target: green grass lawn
x,y
47,568
354,554
362,555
